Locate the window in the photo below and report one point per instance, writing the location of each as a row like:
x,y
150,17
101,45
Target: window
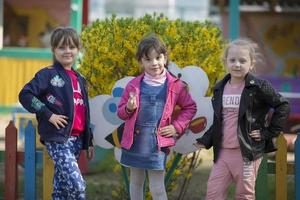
x,y
29,23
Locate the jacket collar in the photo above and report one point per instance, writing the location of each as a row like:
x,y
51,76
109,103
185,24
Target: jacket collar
x,y
62,72
61,69
58,66
170,78
250,80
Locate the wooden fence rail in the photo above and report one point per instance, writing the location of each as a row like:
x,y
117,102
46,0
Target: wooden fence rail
x,y
28,158
281,168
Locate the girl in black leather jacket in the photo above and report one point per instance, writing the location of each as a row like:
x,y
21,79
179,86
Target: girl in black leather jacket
x,y
242,128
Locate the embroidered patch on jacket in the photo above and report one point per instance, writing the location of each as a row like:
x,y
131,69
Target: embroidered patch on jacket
x,y
36,103
57,81
53,100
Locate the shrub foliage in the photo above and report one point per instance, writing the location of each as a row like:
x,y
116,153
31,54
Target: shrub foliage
x,y
110,46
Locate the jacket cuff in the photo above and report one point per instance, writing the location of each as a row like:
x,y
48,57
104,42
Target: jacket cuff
x,y
268,135
125,113
91,141
200,141
46,113
177,127
128,111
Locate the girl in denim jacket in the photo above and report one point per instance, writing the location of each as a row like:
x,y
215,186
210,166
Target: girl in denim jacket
x,y
146,106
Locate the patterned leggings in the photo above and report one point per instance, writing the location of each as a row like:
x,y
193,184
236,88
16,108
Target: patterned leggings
x,y
67,181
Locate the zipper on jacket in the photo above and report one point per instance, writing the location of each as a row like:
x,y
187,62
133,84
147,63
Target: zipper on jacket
x,y
250,120
74,110
158,141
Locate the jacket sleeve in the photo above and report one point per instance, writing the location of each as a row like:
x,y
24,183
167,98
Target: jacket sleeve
x,y
91,139
206,139
30,95
187,112
281,110
122,111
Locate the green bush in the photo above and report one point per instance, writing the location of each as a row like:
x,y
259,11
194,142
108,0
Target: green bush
x,y
110,46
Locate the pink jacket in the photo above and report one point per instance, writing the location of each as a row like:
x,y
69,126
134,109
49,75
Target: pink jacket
x,y
177,95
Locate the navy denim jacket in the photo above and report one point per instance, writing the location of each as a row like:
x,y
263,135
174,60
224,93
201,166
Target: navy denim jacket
x,y
51,91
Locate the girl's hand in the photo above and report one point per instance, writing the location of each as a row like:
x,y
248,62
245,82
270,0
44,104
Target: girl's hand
x,y
168,131
90,153
255,135
131,103
59,121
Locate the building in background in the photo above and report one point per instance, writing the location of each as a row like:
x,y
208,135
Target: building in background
x,y
183,9
25,29
29,23
275,26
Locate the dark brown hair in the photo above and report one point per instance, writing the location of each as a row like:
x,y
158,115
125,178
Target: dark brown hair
x,y
147,44
67,35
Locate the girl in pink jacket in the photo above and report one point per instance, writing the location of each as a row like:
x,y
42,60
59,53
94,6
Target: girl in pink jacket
x,y
146,106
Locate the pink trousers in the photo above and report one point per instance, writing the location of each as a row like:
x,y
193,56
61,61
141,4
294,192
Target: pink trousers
x,y
230,167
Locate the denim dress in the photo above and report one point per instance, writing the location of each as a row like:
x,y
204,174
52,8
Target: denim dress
x,y
144,152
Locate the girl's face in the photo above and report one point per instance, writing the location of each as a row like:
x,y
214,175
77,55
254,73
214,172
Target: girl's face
x,y
154,64
65,54
238,63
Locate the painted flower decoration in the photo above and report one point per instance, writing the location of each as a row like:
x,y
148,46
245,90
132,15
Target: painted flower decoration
x,y
104,110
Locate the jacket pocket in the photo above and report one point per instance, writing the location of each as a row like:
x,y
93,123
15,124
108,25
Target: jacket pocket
x,y
166,142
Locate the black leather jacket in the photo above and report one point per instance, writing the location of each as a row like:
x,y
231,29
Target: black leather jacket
x,y
257,98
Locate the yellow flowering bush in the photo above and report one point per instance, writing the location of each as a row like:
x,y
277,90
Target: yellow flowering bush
x,y
110,46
